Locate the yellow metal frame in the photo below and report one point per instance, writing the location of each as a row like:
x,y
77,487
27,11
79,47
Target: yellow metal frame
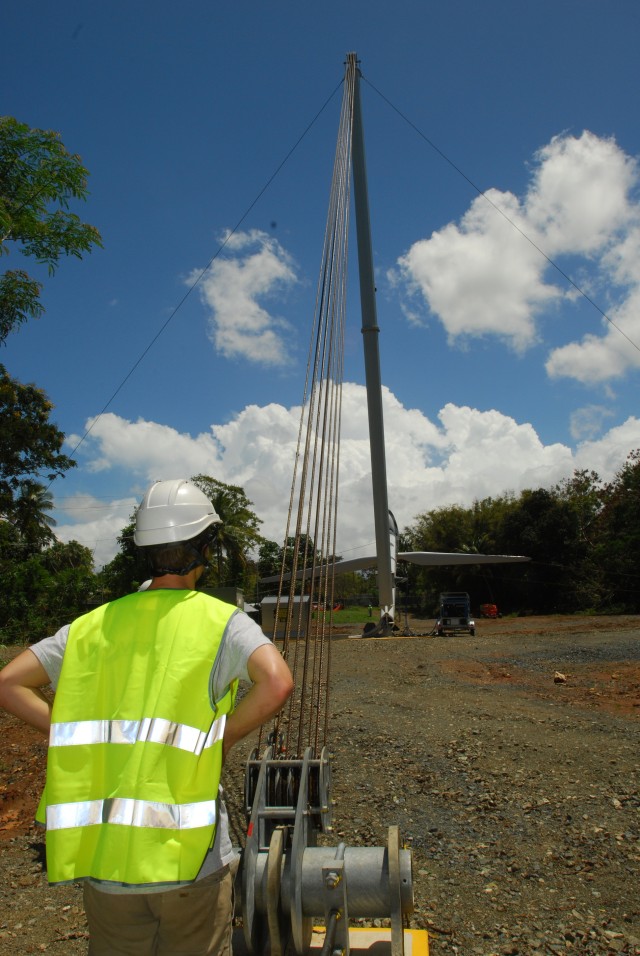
x,y
376,942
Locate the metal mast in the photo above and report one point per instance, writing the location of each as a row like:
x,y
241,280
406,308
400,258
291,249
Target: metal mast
x,y
384,527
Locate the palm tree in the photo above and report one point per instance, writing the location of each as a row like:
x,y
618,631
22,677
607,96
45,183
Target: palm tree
x,y
240,529
30,514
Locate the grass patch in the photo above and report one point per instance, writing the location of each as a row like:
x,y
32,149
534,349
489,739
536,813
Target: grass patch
x,y
351,615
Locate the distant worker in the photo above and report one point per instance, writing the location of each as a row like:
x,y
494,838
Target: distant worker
x,y
143,716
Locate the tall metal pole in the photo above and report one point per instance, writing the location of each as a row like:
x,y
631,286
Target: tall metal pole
x,y
370,331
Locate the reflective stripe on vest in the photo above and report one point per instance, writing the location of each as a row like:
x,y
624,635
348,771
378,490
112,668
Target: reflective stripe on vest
x,y
132,813
154,730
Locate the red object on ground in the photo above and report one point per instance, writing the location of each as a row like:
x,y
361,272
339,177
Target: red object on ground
x,y
488,610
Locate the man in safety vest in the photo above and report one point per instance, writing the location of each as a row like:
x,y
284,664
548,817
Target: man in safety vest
x,y
143,716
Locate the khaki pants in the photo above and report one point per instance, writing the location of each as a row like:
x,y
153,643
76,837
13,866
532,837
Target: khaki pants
x,y
193,920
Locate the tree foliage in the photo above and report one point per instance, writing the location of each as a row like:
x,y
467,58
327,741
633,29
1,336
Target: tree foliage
x,y
617,545
127,570
583,539
273,559
38,180
30,514
45,582
238,536
269,558
42,590
31,444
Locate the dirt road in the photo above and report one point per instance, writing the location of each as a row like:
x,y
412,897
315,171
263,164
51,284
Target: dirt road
x,y
517,789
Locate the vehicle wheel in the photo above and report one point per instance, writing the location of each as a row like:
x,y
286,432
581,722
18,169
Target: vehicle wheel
x,y
472,631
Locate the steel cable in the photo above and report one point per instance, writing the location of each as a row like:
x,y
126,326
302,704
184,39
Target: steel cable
x,y
306,593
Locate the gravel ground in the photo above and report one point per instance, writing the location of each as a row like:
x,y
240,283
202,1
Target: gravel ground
x,y
517,790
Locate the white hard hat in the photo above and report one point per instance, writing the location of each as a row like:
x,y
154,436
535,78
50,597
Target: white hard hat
x,y
173,511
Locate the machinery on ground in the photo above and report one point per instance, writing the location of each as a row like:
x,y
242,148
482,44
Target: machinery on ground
x,y
288,883
455,614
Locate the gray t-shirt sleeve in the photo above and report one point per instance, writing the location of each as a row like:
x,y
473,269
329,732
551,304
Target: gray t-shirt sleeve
x,y
50,652
242,637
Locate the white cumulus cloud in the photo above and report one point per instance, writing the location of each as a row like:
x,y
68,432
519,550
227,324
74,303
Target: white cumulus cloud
x,y
466,455
237,287
482,276
93,522
478,278
158,446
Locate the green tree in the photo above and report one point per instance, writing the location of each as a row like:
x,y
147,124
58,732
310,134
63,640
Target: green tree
x,y
30,514
449,528
617,551
38,180
443,529
45,589
270,560
584,494
30,444
474,530
239,534
127,570
74,585
545,527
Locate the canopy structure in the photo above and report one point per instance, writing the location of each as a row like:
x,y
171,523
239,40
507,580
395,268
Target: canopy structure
x,y
425,558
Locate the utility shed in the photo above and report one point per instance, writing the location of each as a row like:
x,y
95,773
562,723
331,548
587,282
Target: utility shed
x,y
300,623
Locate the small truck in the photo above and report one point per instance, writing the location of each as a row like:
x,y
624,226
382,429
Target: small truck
x,y
455,614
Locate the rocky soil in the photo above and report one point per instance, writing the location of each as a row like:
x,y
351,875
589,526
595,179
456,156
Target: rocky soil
x,y
516,788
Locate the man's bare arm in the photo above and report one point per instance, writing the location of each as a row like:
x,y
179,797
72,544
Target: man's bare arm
x,y
272,684
20,691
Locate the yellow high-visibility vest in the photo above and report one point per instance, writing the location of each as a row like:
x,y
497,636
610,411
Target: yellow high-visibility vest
x,y
135,749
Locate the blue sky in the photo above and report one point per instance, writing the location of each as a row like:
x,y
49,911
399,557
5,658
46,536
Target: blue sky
x,y
498,374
